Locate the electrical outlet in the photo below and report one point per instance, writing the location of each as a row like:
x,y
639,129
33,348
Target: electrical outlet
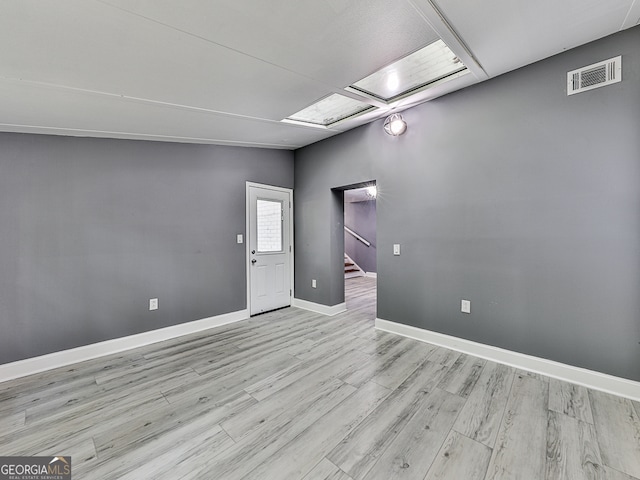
x,y
465,306
153,304
396,249
313,283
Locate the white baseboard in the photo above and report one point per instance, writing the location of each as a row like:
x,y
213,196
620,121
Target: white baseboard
x,y
580,376
29,366
319,308
371,274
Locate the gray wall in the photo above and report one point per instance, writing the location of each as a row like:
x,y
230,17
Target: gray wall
x,y
91,229
361,218
508,194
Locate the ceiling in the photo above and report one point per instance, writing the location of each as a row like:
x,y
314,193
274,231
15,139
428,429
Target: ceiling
x,y
227,72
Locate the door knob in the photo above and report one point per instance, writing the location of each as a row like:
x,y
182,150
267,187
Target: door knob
x,y
253,261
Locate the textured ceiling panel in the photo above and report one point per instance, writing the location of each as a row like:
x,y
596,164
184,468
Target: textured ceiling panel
x,y
62,112
335,42
505,35
96,47
227,71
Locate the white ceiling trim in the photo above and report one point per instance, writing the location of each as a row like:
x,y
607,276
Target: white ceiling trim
x,y
633,17
436,20
78,132
338,127
53,127
130,98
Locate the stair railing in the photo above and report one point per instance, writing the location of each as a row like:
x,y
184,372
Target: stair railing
x,y
363,240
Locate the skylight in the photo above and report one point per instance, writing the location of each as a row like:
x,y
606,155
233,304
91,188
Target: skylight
x,y
330,110
413,72
430,65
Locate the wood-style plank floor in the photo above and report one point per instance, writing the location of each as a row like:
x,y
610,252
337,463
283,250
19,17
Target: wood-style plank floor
x,y
294,395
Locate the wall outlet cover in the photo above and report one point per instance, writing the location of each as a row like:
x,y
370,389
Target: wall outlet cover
x,y
153,304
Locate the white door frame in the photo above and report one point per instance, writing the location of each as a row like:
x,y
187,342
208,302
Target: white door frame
x,y
289,191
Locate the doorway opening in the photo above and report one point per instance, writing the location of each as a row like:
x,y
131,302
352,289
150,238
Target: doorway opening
x,y
360,247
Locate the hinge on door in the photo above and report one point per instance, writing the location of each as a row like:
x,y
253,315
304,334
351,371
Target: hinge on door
x,y
290,292
289,248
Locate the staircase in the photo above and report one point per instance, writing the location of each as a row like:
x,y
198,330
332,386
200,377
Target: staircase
x,y
351,269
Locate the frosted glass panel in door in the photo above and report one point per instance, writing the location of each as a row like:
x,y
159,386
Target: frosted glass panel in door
x,y
269,228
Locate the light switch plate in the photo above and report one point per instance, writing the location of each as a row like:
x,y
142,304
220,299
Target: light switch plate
x,y
396,249
153,304
465,306
239,238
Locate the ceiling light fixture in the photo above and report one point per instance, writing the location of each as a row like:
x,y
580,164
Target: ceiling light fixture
x,y
395,125
372,191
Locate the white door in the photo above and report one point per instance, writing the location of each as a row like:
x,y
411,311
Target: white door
x,y
269,248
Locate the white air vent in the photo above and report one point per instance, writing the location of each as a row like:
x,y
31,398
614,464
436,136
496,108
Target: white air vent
x,y
594,76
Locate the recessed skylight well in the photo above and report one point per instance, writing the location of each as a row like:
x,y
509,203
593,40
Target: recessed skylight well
x,y
330,110
430,65
413,72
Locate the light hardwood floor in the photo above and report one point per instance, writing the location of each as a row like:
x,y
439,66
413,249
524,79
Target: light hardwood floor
x,y
295,395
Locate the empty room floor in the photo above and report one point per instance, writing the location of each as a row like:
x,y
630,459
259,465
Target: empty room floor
x,y
295,395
